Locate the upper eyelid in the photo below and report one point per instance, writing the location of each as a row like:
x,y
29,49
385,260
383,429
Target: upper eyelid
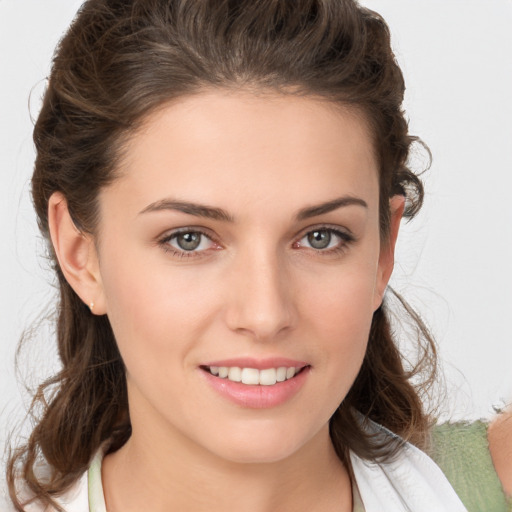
x,y
169,234
346,239
345,232
164,243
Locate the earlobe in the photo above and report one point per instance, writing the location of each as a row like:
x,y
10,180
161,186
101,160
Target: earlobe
x,y
76,254
387,252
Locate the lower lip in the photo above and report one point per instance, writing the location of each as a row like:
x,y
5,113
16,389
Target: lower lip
x,y
257,397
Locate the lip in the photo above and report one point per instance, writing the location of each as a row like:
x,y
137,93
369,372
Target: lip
x,y
257,396
258,364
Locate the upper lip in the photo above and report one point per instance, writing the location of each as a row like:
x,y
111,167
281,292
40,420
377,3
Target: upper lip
x,y
258,364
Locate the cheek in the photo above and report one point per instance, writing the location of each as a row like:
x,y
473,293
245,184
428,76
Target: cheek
x,y
336,313
341,300
339,315
155,311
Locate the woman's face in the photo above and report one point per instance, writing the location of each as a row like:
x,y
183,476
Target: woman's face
x,y
242,238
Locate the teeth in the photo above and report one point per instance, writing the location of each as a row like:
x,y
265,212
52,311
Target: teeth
x,y
250,376
268,377
254,377
235,374
281,374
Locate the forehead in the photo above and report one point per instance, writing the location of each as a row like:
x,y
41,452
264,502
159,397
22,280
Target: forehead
x,y
224,145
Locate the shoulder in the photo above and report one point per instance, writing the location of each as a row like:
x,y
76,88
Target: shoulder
x,y
462,452
500,445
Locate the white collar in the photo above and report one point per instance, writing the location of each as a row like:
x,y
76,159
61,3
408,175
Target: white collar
x,y
410,482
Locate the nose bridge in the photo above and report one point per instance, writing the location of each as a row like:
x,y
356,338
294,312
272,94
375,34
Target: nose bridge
x,y
261,301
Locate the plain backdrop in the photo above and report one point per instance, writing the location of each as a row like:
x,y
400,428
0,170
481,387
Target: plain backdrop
x,y
453,261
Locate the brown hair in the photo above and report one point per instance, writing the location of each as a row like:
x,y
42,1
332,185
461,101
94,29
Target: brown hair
x,y
120,60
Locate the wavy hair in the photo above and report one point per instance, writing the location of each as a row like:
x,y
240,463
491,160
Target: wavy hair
x,y
118,62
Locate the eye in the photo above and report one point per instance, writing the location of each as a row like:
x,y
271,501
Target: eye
x,y
320,239
187,241
324,239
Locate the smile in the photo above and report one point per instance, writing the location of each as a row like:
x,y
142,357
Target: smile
x,y
253,376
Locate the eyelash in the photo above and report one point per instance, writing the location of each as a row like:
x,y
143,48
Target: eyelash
x,y
164,243
345,240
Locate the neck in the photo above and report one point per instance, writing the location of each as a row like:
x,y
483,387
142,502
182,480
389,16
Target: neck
x,y
161,472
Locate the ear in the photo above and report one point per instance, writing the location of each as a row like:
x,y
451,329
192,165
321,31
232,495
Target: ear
x,y
76,254
387,250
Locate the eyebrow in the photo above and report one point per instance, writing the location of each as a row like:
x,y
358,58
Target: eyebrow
x,y
214,213
197,210
329,206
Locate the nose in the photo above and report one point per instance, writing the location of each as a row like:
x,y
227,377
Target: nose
x,y
260,303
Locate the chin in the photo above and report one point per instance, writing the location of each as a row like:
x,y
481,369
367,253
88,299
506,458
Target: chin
x,y
255,455
263,447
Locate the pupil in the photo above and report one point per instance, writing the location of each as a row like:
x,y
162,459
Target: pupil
x,y
189,241
319,239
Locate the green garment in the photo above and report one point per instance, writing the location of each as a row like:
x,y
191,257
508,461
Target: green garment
x,y
461,450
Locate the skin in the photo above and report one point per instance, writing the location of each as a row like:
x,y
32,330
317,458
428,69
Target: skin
x,y
500,443
255,288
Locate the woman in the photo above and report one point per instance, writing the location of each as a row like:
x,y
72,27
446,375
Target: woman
x,y
222,184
